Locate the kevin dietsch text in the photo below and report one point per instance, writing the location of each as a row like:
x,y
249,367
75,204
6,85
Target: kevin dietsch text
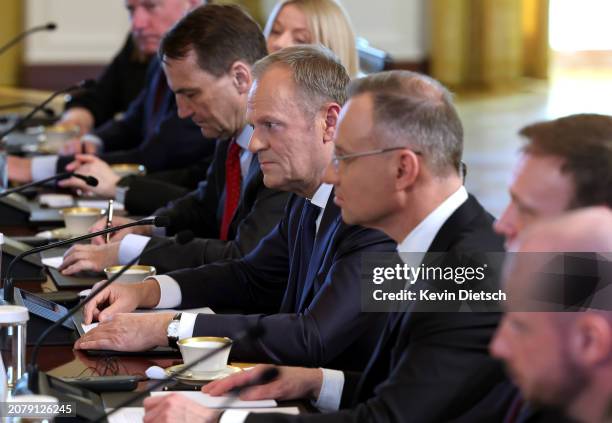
x,y
428,295
456,275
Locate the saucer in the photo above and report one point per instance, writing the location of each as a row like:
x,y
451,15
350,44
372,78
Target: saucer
x,y
59,233
189,379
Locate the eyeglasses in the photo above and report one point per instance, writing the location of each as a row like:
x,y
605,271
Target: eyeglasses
x,y
337,159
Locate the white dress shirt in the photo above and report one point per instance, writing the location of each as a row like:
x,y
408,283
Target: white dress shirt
x,y
417,241
133,245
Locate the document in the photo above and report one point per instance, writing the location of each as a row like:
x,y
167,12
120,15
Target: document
x,y
219,402
136,414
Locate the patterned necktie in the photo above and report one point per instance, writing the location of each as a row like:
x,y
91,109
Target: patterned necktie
x,y
233,181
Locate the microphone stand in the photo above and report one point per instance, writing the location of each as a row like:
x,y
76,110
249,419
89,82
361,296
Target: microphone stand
x,y
8,281
47,27
90,180
82,85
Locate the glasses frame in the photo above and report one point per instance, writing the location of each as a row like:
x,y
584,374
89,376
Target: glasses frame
x,y
337,159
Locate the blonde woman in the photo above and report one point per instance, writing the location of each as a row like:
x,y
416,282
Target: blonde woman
x,y
313,22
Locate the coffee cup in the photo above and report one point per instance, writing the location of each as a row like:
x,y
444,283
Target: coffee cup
x,y
136,273
192,349
78,220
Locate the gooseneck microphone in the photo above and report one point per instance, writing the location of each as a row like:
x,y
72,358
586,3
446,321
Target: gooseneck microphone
x,y
46,110
83,85
51,26
9,291
181,238
89,180
251,334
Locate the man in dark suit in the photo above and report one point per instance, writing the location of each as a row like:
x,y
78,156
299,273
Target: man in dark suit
x,y
221,113
304,271
150,132
428,366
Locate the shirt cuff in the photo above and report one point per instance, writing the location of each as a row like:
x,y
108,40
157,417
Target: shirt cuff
x,y
120,193
170,292
43,167
185,329
331,390
131,246
234,416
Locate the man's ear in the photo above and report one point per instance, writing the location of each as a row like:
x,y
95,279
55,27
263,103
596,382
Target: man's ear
x,y
408,168
331,115
591,339
241,77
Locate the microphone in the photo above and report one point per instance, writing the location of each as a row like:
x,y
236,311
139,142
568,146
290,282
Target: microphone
x,y
249,334
51,26
181,238
46,110
83,85
159,221
89,180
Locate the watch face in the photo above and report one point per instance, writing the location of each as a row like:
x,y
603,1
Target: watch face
x,y
173,329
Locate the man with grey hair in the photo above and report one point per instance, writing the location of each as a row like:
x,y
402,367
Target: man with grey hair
x,y
429,366
302,274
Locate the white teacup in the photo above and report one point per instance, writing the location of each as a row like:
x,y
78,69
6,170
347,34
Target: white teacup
x,y
78,220
126,169
136,273
192,349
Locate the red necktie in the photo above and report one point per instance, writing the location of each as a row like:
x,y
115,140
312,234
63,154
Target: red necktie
x,y
233,180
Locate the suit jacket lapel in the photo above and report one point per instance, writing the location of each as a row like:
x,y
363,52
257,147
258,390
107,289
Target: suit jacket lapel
x,y
327,228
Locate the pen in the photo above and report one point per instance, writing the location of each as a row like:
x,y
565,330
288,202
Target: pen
x,y
109,218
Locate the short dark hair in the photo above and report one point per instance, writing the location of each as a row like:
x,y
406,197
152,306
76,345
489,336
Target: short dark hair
x,y
411,109
219,35
584,143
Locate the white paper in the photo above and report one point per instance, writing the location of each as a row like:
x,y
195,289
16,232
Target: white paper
x,y
127,415
219,402
99,204
136,414
56,200
87,328
54,262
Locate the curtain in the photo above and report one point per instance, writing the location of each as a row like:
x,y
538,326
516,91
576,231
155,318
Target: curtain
x,y
488,43
11,24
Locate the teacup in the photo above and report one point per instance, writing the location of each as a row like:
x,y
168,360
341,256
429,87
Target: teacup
x,y
136,273
126,169
78,220
192,349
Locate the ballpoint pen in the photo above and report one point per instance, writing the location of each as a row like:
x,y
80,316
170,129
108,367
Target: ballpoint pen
x,y
109,218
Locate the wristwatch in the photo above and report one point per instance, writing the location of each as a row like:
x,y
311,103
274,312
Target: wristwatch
x,y
173,330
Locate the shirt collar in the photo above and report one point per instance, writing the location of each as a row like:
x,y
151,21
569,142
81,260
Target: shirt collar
x,y
243,138
421,237
321,196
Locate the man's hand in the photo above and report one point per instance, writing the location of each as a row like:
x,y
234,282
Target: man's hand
x,y
82,257
89,165
121,298
78,146
146,230
177,408
78,116
128,332
291,383
19,169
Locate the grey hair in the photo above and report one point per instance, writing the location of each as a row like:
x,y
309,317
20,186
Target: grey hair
x,y
416,111
316,72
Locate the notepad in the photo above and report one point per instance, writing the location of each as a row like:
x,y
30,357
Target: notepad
x,y
219,402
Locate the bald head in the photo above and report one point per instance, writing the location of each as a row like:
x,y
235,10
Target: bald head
x,y
583,230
